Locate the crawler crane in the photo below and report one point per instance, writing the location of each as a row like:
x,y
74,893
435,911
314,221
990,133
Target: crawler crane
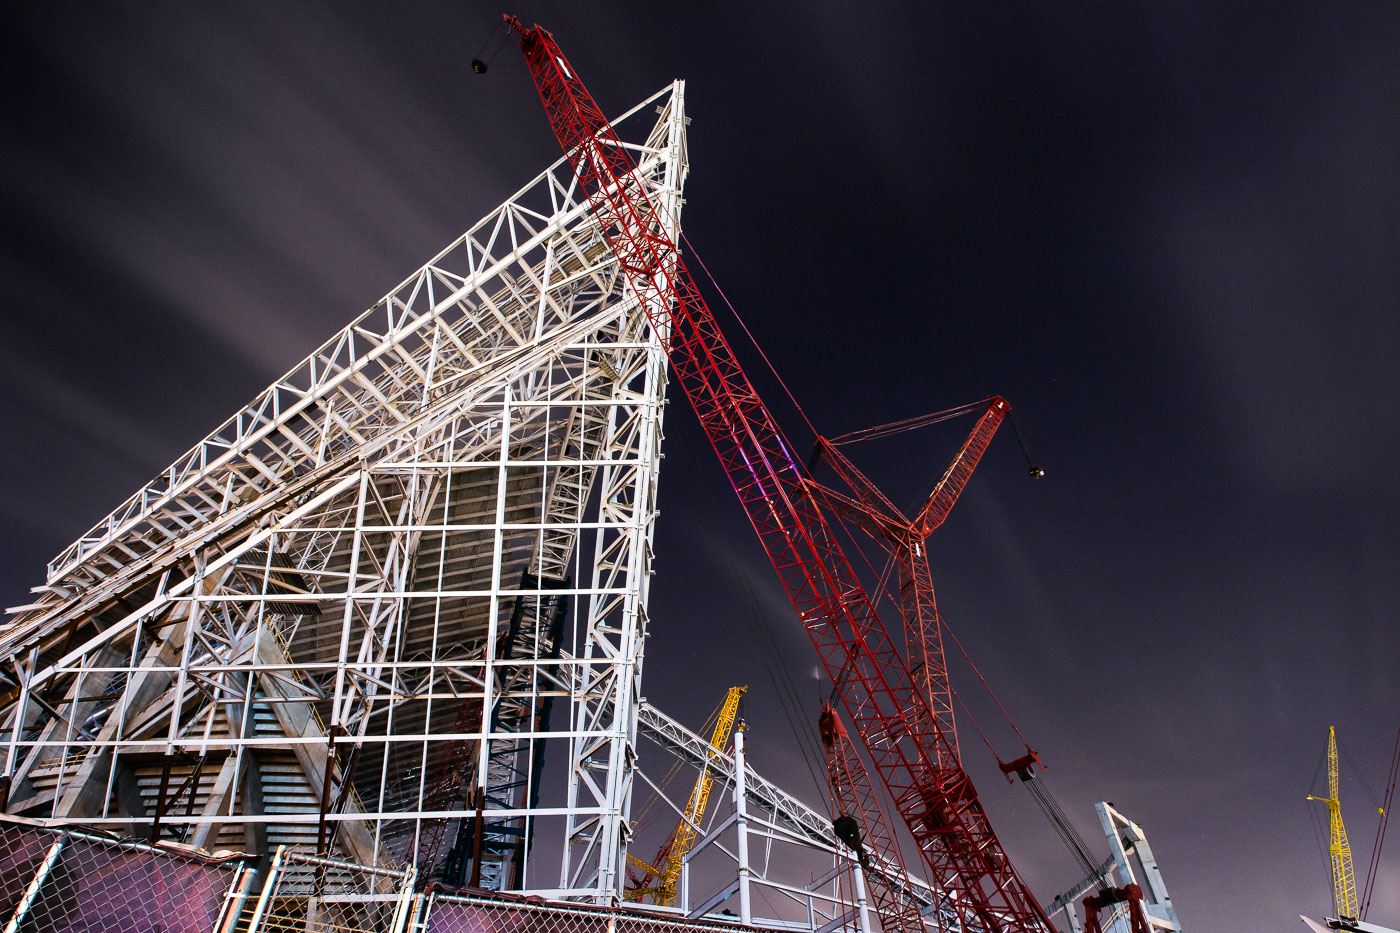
x,y
1343,881
884,704
658,879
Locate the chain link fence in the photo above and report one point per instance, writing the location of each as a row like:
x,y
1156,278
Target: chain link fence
x,y
461,913
310,894
64,881
69,881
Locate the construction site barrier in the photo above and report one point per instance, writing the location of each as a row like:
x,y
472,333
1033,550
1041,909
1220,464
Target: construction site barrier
x,y
73,881
311,894
443,912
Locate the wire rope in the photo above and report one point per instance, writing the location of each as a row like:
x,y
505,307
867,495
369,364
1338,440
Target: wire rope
x,y
788,698
882,581
1373,867
642,820
1319,837
905,425
1313,815
707,728
988,687
973,719
1048,805
480,66
1063,826
761,630
1360,776
734,311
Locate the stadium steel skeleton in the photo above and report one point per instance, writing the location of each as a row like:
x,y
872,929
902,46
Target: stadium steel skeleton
x,y
428,544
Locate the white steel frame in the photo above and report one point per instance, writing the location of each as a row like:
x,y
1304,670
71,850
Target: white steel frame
x,y
1125,840
279,639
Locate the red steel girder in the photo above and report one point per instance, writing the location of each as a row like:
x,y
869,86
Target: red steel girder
x,y
942,812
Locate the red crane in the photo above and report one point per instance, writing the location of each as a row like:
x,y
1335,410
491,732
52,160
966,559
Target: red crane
x,y
867,668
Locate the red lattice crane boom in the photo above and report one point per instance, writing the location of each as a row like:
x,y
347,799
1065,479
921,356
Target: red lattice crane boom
x,y
903,538
860,823
866,667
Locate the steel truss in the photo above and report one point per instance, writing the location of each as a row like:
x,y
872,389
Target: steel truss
x,y
450,504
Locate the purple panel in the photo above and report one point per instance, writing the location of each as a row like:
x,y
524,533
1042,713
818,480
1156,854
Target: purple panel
x,y
101,889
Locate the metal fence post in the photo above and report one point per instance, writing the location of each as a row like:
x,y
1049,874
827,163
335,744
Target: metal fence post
x,y
32,893
405,901
418,919
234,900
266,897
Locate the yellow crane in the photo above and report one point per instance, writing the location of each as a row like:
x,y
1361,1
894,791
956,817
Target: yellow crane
x,y
666,869
1343,882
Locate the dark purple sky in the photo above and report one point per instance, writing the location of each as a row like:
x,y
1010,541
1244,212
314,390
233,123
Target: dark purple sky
x,y
1167,233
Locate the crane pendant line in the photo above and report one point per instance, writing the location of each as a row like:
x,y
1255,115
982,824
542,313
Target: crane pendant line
x,y
903,537
868,671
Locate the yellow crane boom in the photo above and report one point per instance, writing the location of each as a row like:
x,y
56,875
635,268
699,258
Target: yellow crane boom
x,y
669,860
1343,882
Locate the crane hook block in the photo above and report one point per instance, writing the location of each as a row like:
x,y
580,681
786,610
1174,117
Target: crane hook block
x,y
848,831
1036,472
478,66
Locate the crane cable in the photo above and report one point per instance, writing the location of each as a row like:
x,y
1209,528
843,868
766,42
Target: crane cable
x,y
734,311
1320,833
894,428
1047,803
478,65
642,820
761,630
986,686
905,425
1389,797
1036,785
789,694
1057,817
793,399
1042,795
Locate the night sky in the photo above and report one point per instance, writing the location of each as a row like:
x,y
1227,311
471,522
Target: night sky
x,y
1167,233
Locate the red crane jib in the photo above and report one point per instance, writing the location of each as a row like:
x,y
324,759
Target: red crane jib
x,y
940,807
873,512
